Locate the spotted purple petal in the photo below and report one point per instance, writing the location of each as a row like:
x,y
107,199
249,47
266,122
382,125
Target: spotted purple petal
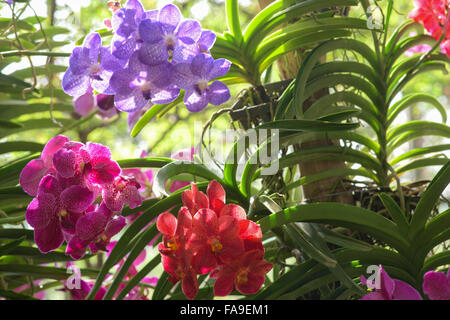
x,y
41,211
31,175
169,16
65,162
218,93
77,198
189,31
49,238
84,104
437,285
53,145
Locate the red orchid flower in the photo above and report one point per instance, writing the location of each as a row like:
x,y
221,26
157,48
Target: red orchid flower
x,y
246,274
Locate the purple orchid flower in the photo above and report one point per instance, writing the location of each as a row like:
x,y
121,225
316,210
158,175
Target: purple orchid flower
x,y
390,289
52,208
195,79
165,35
105,104
36,169
90,66
84,104
139,84
437,285
125,23
187,52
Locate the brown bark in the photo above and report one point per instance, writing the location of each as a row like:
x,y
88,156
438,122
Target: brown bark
x,y
319,191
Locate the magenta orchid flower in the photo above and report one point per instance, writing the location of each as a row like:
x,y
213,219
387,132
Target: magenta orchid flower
x,y
94,230
123,191
36,169
53,209
437,285
390,289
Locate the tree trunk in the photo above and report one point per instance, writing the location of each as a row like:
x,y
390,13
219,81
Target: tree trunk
x,y
331,189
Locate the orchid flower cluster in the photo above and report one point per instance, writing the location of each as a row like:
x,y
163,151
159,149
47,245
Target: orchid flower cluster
x,y
152,57
137,293
78,192
209,236
434,15
436,285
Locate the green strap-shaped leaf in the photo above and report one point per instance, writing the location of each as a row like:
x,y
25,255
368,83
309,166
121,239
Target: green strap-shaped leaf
x,y
437,225
5,124
408,43
305,244
40,272
347,80
233,21
307,125
341,215
411,100
302,28
152,113
290,10
337,172
353,67
270,57
16,233
11,295
425,67
438,260
137,249
177,167
12,220
162,287
7,248
148,162
421,163
312,59
419,126
428,200
396,213
401,30
125,243
152,264
15,146
328,101
37,256
419,152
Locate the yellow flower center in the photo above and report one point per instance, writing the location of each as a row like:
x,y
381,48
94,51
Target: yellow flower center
x,y
216,246
172,244
242,276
